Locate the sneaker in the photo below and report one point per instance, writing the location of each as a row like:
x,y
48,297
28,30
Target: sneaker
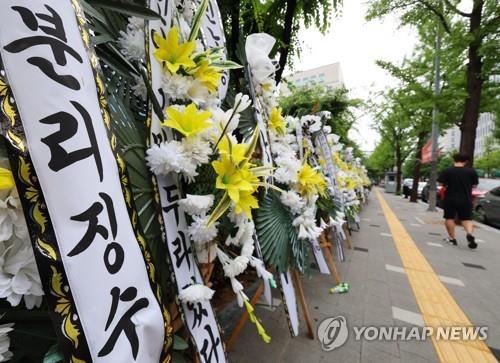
x,y
472,241
450,240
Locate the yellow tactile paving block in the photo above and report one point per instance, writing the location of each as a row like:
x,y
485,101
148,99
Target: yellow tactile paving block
x,y
437,305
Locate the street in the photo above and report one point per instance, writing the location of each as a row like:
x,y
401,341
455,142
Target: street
x,y
400,274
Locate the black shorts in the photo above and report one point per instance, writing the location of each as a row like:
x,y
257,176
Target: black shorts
x,y
461,209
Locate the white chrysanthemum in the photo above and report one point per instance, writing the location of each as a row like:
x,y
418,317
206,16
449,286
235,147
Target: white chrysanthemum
x,y
245,231
287,170
198,93
307,225
232,268
19,275
197,149
259,266
282,149
196,293
236,266
196,204
131,41
5,353
199,231
241,102
293,201
176,86
11,219
291,122
170,157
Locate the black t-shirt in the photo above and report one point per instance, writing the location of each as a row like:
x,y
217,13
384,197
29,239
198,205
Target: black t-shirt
x,y
459,182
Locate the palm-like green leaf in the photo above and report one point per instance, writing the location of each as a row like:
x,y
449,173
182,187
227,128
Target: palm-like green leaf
x,y
279,241
129,127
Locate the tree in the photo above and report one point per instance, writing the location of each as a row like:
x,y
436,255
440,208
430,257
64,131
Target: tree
x,y
309,99
243,17
491,158
474,38
393,123
380,160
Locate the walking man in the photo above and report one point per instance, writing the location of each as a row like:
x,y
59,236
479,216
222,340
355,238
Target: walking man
x,y
457,204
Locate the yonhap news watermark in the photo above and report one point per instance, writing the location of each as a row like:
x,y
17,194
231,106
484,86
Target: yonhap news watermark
x,y
333,333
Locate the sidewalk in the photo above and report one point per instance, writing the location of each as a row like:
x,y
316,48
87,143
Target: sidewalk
x,y
381,295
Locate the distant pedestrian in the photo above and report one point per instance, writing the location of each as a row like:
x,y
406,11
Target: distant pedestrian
x,y
457,204
407,184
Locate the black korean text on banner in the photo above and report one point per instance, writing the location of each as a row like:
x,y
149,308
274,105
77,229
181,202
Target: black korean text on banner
x,y
199,318
47,62
58,295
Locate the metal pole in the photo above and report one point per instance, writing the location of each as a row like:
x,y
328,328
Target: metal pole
x,y
435,125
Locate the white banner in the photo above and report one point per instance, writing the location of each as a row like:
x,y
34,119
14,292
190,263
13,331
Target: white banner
x,y
288,292
213,36
53,83
199,318
319,257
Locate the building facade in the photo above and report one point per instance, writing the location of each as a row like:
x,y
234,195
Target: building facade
x,y
330,76
450,141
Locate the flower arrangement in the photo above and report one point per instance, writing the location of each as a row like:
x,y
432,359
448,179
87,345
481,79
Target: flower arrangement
x,y
219,174
19,277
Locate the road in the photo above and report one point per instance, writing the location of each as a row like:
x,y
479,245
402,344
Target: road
x,y
400,274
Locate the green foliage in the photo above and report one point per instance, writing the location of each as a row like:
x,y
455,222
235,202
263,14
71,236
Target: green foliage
x,y
305,100
380,160
53,355
470,55
282,19
33,334
489,162
279,241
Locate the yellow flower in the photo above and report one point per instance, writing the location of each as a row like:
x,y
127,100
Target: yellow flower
x,y
188,122
276,121
6,179
233,179
208,76
260,329
173,53
246,203
267,86
237,176
310,181
235,151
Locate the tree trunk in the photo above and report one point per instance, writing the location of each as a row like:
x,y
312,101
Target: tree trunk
x,y
474,85
399,164
291,6
416,168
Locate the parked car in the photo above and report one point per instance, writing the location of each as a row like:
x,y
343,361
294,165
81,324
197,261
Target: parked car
x,y
488,208
420,188
424,195
484,186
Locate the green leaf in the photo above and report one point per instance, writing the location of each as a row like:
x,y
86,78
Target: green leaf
x,y
126,8
279,241
179,343
220,209
198,18
226,65
53,355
